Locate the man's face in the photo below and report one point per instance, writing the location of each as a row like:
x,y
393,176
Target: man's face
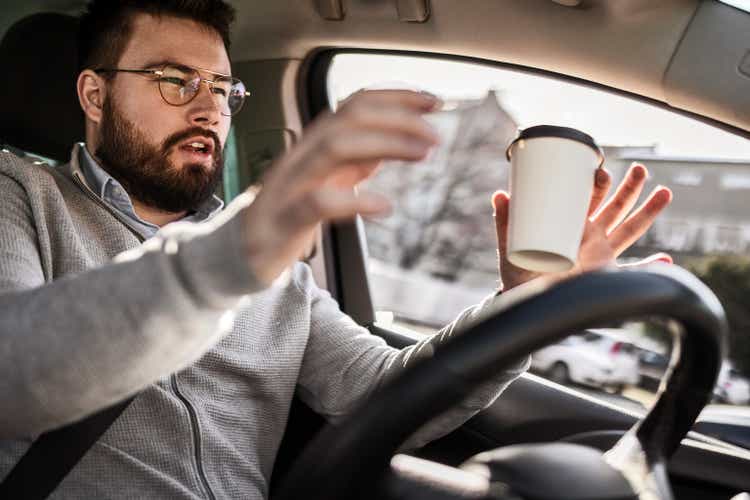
x,y
144,141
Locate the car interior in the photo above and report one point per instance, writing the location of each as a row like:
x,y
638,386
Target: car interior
x,y
691,57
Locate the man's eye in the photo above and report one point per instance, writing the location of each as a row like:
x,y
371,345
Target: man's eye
x,y
173,80
220,91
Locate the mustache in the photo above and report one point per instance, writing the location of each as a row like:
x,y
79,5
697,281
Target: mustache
x,y
178,137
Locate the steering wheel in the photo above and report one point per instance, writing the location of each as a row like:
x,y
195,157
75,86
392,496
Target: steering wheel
x,y
355,459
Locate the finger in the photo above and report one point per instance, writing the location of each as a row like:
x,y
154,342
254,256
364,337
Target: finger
x,y
330,147
347,150
640,221
615,210
657,257
325,205
390,118
352,175
501,204
371,146
418,101
362,116
602,183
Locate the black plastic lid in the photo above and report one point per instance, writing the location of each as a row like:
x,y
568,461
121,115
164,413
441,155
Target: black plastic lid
x,y
555,131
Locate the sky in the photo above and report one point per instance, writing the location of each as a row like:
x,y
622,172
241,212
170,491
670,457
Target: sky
x,y
740,4
532,100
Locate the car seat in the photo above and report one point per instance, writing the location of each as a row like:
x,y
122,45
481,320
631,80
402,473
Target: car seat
x,y
40,112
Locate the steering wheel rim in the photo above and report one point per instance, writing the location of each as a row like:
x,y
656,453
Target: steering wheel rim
x,y
343,460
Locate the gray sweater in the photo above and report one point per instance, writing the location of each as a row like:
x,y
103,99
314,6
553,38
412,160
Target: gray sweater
x,y
91,315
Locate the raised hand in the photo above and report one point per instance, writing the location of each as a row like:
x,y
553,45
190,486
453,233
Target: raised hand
x,y
314,181
611,227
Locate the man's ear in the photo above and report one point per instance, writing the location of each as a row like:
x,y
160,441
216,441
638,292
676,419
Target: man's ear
x,y
91,90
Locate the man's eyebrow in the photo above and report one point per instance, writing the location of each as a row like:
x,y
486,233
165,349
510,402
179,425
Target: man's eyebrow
x,y
164,62
161,63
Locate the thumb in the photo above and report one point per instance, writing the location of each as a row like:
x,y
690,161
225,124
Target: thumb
x,y
501,204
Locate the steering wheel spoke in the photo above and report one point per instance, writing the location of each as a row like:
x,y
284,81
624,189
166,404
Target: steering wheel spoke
x,y
413,478
647,478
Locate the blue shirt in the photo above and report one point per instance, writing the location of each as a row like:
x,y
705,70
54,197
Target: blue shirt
x,y
112,193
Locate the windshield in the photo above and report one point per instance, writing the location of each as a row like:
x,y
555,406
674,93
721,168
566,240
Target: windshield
x,y
435,255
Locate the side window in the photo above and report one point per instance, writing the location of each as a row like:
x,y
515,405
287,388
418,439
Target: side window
x,y
436,254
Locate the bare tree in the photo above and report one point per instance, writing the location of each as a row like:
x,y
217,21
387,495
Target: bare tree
x,y
442,219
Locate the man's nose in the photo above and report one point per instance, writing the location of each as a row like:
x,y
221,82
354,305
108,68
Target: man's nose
x,y
205,108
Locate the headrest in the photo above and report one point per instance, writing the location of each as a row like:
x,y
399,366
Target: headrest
x,y
40,110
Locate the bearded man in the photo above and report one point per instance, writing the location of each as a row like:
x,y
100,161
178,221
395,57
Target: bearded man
x,y
210,321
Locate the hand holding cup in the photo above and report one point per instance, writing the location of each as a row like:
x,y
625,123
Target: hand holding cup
x,y
607,229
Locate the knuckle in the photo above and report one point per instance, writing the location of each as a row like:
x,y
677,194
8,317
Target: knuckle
x,y
356,100
348,101
618,203
322,120
346,110
357,116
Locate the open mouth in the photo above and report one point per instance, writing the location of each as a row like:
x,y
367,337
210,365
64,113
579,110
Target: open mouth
x,y
198,145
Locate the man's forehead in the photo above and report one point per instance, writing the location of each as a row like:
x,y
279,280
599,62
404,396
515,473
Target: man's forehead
x,y
172,39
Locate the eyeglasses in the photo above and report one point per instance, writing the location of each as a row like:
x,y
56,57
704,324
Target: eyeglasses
x,y
178,85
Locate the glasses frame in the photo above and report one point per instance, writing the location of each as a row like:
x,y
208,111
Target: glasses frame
x,y
160,72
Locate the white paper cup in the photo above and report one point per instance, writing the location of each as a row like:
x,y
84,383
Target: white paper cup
x,y
551,179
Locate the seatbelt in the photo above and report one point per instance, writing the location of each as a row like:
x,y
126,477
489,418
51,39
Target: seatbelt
x,y
53,454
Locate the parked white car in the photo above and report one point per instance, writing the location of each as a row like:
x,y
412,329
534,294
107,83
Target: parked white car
x,y
594,358
731,386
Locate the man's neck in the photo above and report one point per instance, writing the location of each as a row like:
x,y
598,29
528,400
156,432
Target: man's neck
x,y
156,216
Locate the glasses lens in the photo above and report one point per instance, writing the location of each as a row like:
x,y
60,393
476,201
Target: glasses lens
x,y
231,92
178,85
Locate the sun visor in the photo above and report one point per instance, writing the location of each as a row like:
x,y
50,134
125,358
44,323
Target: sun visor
x,y
408,11
710,72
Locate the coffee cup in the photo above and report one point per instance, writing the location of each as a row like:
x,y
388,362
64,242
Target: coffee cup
x,y
551,179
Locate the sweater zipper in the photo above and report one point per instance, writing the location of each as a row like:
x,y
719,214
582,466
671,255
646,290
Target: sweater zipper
x,y
188,405
196,436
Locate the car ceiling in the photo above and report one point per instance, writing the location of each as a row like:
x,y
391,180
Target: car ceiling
x,y
668,50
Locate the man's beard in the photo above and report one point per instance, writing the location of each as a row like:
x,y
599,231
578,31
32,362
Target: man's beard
x,y
145,171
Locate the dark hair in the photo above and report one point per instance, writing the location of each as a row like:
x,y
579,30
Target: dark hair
x,y
106,26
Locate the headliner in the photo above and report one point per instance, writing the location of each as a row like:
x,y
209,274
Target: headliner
x,y
627,44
